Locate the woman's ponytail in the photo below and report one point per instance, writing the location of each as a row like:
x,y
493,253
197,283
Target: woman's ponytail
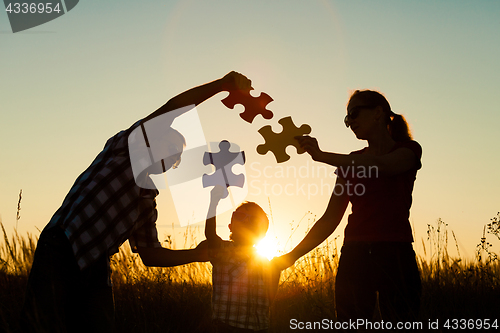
x,y
398,128
396,123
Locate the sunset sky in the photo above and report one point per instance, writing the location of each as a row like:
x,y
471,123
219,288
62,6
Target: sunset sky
x,y
70,84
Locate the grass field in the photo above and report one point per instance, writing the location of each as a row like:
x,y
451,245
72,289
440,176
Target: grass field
x,y
177,299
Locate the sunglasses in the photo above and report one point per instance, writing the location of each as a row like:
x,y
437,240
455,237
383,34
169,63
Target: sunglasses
x,y
354,113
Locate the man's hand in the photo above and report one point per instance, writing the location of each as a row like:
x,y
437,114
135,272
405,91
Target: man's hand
x,y
236,81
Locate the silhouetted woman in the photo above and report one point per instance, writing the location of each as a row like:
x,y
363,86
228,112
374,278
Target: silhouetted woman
x,y
377,254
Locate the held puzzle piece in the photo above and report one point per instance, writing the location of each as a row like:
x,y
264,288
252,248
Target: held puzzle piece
x,y
277,142
223,161
253,105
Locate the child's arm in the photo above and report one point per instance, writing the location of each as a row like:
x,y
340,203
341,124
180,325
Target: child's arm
x,y
210,225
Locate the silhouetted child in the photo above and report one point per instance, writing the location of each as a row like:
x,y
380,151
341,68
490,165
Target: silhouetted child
x,y
244,283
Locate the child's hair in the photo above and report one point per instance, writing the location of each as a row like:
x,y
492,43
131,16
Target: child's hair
x,y
258,218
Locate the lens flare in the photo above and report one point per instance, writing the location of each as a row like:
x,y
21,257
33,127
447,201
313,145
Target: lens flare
x,y
267,247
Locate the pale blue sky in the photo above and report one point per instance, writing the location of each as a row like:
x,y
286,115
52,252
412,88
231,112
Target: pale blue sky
x,y
69,85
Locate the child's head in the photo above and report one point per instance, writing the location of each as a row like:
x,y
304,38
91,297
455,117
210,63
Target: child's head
x,y
249,224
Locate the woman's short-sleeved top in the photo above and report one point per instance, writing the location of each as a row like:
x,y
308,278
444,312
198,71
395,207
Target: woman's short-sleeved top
x,y
380,204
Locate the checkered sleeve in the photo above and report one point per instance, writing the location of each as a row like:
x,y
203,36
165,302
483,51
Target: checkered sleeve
x,y
145,236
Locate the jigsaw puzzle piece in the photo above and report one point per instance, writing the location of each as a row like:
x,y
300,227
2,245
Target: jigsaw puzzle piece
x,y
223,161
253,105
277,142
217,178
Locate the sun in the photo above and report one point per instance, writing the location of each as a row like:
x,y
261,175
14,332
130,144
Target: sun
x,y
267,247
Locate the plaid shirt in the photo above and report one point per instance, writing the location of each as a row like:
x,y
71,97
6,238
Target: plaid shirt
x,y
240,288
105,207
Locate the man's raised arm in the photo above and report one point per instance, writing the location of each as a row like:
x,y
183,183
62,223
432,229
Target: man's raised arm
x,y
197,95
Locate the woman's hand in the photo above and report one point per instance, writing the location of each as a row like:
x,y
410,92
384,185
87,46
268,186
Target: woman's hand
x,y
283,262
311,146
236,81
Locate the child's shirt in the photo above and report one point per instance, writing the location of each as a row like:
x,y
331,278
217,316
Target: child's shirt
x,y
241,286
